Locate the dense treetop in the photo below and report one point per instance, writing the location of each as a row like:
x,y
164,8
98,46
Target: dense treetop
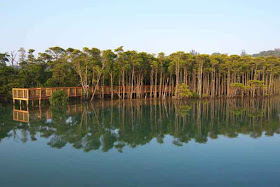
x,y
204,75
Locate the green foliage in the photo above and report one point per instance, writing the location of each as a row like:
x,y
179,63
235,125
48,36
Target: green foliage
x,y
237,111
4,58
59,98
182,91
8,80
205,95
194,95
237,86
183,110
257,83
275,52
208,75
256,113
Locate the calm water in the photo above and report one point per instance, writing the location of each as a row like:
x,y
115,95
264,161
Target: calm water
x,y
142,143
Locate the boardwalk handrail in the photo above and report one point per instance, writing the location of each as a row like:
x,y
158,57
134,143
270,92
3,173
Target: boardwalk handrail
x,y
30,94
45,93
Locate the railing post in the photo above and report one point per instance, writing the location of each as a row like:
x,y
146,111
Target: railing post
x,y
40,97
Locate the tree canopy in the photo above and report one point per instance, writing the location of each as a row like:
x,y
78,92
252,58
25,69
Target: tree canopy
x,y
205,75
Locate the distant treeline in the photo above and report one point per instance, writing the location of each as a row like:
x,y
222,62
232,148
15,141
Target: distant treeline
x,y
275,52
203,75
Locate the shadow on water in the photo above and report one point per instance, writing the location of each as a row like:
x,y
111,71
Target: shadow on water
x,y
104,125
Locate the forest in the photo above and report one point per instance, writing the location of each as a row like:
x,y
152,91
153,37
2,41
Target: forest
x,y
190,73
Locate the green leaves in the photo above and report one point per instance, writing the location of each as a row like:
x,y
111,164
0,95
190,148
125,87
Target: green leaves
x,y
4,58
211,75
59,98
182,91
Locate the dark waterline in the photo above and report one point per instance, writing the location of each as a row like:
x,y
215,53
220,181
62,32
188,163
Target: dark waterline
x,y
222,142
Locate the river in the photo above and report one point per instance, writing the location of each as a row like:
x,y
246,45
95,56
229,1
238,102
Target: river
x,y
220,142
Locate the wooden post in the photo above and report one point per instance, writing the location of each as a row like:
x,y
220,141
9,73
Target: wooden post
x,y
40,97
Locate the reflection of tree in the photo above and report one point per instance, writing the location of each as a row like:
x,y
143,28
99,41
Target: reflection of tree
x,y
57,142
116,125
120,146
183,110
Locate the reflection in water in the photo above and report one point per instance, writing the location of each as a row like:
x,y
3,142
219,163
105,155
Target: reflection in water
x,y
104,125
41,113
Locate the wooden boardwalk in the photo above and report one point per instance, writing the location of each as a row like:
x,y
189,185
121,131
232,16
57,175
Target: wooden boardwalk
x,y
43,93
31,94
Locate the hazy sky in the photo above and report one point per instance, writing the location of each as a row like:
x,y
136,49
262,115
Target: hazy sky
x,y
207,26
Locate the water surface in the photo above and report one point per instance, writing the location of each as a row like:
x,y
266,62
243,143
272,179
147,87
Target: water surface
x,y
232,142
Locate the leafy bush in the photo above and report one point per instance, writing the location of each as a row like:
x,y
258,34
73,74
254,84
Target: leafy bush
x,y
183,91
194,95
59,98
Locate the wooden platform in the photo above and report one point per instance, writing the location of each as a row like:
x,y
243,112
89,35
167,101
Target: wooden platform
x,y
44,93
27,94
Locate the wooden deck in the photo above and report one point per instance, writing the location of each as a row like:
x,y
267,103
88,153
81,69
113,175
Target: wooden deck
x,y
27,94
44,93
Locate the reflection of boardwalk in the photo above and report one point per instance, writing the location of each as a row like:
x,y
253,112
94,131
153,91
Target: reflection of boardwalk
x,y
21,115
41,113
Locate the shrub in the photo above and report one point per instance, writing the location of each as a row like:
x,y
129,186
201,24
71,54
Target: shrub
x,y
183,91
195,95
59,98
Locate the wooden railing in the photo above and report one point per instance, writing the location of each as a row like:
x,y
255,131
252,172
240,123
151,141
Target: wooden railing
x,y
45,93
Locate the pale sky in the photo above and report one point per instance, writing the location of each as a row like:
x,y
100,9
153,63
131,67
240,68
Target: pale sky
x,y
207,26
